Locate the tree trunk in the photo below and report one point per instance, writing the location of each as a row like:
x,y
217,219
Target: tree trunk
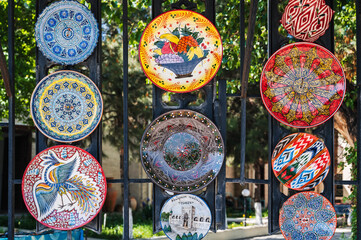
x,y
258,168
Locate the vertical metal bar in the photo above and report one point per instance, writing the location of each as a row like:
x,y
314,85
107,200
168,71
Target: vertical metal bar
x,y
220,113
358,48
41,71
208,109
158,194
216,195
243,100
11,133
326,130
246,63
125,120
157,92
94,66
274,128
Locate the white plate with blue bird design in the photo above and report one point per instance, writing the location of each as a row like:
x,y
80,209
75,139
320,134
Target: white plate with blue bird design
x,y
66,32
66,106
64,187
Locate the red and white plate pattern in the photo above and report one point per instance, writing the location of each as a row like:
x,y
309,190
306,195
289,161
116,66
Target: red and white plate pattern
x,y
307,19
64,187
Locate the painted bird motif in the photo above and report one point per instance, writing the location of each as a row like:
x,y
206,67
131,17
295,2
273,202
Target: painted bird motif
x,y
59,180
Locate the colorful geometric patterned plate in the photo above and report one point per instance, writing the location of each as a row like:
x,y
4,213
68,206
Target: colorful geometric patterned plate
x,y
185,216
301,161
302,85
66,32
66,106
307,19
180,51
307,215
182,151
64,187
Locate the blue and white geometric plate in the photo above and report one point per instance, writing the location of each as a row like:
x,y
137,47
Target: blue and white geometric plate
x,y
307,215
66,32
66,106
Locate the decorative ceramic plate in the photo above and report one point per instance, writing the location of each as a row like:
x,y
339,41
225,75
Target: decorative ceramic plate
x,y
185,216
307,215
64,187
180,51
302,85
301,161
66,106
182,151
66,32
307,20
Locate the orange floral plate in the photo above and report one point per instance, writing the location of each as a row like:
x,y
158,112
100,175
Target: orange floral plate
x,y
302,85
180,51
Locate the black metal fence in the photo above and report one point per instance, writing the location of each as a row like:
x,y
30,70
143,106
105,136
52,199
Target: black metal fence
x,y
214,107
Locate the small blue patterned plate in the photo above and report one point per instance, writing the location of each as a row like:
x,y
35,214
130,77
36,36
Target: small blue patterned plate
x,y
66,106
66,32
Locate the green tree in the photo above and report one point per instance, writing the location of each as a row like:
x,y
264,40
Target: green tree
x,y
24,43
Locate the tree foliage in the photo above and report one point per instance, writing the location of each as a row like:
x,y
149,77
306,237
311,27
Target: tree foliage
x,y
24,43
345,51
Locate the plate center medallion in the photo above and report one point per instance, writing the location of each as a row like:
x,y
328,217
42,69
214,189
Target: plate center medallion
x,y
68,107
301,86
68,33
182,151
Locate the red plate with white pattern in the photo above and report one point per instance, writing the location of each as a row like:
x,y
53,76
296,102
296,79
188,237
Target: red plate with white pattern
x,y
307,19
64,187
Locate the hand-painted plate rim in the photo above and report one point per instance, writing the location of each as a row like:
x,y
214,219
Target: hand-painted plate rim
x,y
311,192
280,50
40,43
77,149
179,195
296,189
35,120
205,82
145,168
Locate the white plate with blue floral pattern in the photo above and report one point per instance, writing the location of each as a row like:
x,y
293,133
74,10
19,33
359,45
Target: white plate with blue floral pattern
x,y
66,32
66,106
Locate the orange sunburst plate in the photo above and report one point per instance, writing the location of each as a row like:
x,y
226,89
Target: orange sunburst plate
x,y
302,85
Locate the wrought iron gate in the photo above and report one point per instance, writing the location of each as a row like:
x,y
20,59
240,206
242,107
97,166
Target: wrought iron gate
x,y
214,107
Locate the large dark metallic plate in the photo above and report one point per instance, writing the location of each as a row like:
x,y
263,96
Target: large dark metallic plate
x,y
182,151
